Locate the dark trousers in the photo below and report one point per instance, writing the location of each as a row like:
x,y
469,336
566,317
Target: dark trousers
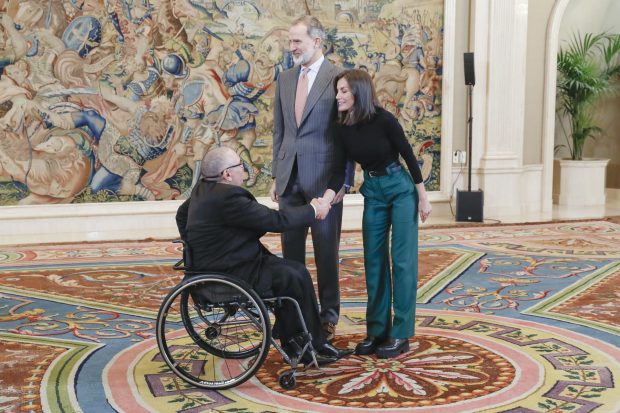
x,y
292,279
390,201
325,240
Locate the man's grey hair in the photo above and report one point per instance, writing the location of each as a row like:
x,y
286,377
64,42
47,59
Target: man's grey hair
x,y
215,161
315,28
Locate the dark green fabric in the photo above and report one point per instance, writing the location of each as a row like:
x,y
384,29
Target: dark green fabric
x,y
390,201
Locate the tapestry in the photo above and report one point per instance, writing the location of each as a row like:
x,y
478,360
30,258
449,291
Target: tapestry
x,y
119,100
510,318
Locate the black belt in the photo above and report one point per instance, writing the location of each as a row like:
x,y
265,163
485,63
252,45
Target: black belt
x,y
388,170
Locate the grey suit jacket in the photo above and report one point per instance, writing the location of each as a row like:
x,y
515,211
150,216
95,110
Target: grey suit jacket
x,y
312,144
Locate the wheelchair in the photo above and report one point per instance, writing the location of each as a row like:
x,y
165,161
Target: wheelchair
x,y
214,331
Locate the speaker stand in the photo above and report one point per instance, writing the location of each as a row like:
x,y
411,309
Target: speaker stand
x,y
469,205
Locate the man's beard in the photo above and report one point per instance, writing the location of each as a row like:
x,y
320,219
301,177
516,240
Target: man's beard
x,y
303,59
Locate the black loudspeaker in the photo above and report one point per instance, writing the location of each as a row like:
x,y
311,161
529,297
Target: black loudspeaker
x,y
468,65
469,206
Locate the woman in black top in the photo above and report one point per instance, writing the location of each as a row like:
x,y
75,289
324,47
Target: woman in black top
x,y
373,137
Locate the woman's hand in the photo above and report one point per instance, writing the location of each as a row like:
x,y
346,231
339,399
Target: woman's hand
x,y
329,195
424,205
425,208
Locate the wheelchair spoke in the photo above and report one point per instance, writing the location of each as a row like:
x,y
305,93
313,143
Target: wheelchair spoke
x,y
212,332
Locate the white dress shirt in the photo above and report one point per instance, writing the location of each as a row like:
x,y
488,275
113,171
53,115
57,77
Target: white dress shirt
x,y
314,70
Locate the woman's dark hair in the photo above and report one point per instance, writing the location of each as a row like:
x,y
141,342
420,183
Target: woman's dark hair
x,y
365,98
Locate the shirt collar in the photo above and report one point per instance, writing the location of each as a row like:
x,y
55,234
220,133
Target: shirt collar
x,y
314,67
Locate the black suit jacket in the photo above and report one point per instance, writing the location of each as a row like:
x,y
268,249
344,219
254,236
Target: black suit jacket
x,y
222,225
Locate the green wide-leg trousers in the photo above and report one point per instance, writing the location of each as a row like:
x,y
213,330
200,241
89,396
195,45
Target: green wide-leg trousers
x,y
390,201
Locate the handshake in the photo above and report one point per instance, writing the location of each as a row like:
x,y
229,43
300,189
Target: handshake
x,y
321,207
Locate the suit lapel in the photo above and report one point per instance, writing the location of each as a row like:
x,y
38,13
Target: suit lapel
x,y
322,80
292,90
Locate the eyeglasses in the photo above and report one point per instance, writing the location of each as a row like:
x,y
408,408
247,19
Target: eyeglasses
x,y
230,167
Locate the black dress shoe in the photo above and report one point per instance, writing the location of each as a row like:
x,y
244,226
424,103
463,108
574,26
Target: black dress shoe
x,y
392,348
326,354
368,346
321,359
329,350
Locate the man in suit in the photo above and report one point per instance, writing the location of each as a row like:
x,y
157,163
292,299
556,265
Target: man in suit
x,y
305,158
222,224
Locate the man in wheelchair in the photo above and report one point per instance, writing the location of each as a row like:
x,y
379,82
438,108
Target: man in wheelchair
x,y
222,223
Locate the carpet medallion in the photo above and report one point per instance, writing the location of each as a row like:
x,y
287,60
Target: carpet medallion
x,y
458,361
511,318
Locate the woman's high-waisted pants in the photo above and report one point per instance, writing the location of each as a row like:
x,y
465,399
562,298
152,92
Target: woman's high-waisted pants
x,y
390,201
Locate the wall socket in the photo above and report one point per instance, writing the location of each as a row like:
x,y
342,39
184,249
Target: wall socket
x,y
459,157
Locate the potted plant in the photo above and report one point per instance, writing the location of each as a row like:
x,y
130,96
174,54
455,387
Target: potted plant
x,y
587,70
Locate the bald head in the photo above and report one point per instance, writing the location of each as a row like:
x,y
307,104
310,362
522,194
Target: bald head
x,y
216,161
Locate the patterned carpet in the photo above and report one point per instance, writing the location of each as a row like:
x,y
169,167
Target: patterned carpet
x,y
519,318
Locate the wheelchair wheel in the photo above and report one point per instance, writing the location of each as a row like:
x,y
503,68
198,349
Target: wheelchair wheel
x,y
287,380
213,331
213,319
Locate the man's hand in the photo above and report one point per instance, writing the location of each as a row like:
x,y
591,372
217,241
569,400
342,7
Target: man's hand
x,y
322,206
272,192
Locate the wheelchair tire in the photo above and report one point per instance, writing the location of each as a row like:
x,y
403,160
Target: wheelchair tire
x,y
213,331
287,380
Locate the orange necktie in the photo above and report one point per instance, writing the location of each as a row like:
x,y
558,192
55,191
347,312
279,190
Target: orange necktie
x,y
301,95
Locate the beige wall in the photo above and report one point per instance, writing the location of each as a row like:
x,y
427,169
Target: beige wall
x,y
539,12
581,16
608,145
590,16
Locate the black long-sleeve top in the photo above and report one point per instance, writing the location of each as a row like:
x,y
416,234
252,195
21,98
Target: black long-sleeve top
x,y
377,143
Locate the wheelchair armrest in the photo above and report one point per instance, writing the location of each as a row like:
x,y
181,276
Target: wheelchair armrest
x,y
184,263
